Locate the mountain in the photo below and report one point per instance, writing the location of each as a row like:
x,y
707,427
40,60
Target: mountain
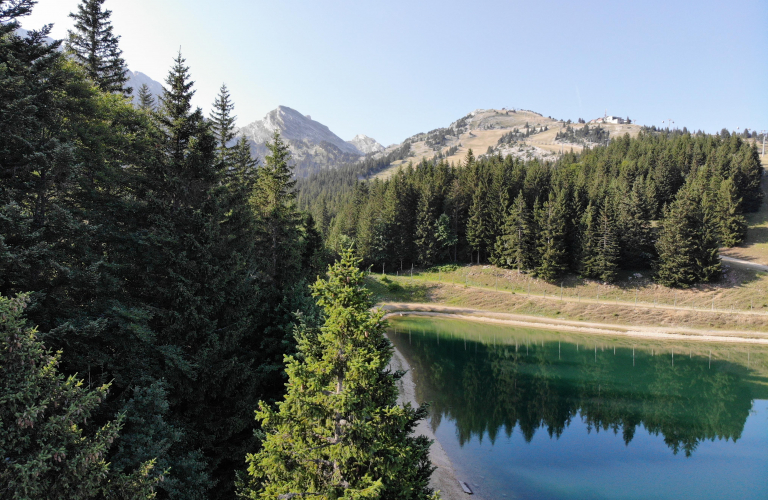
x,y
520,133
313,146
366,145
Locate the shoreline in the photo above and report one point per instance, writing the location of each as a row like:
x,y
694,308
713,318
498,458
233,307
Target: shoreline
x,y
648,332
444,477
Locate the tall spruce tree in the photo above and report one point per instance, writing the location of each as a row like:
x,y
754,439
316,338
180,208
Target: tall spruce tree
x,y
426,227
480,217
223,122
516,247
608,243
198,282
553,258
634,227
339,432
446,237
731,225
145,100
687,244
275,205
588,262
95,47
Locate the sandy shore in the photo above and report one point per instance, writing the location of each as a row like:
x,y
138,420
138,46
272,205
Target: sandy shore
x,y
649,332
444,477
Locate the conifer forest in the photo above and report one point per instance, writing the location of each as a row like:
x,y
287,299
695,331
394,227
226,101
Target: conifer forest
x,y
662,201
182,320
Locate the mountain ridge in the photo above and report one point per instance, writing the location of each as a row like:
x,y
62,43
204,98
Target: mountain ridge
x,y
312,144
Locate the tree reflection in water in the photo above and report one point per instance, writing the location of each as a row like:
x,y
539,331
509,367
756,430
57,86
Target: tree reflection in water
x,y
490,380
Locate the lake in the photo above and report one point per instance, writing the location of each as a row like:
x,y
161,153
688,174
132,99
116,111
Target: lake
x,y
534,414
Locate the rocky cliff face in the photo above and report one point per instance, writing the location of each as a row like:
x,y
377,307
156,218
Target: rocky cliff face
x,y
366,145
313,146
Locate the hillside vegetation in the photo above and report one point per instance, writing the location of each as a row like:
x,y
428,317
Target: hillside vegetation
x,y
662,204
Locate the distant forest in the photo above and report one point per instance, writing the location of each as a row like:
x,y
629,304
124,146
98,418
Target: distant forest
x,y
663,201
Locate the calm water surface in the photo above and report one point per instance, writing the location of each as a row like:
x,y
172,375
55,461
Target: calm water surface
x,y
543,415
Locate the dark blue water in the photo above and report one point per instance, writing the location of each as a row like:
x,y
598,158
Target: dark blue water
x,y
541,415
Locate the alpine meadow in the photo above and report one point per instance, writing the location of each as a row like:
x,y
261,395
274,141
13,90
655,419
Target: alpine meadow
x,y
192,309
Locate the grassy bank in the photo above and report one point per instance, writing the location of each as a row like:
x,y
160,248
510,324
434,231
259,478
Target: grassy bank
x,y
497,290
755,246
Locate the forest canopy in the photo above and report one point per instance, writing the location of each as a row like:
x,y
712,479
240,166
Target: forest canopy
x,y
662,201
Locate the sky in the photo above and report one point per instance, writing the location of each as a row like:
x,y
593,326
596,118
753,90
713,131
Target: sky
x,y
391,69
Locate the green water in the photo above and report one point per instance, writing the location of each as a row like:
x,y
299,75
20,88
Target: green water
x,y
547,415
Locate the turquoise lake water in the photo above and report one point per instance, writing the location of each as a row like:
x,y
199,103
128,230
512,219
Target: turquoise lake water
x,y
532,414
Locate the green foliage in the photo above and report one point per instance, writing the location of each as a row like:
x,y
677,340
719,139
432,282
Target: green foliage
x,y
95,47
628,182
143,252
515,247
339,432
146,101
687,244
427,248
550,219
446,236
634,228
731,225
223,122
48,448
600,243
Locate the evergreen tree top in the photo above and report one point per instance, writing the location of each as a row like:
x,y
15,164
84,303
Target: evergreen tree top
x,y
145,98
339,433
223,120
94,45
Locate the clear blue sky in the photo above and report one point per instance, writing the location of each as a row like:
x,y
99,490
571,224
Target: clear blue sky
x,y
393,68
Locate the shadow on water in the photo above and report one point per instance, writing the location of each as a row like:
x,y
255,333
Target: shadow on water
x,y
490,383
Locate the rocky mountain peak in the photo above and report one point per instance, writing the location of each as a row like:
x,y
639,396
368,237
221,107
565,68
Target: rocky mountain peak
x,y
313,146
365,144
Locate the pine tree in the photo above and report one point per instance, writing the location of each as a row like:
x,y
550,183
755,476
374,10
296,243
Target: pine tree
x,y
339,431
145,99
479,223
516,246
426,227
608,244
197,276
274,201
731,225
244,165
634,227
223,122
446,237
588,263
687,244
553,258
49,449
95,47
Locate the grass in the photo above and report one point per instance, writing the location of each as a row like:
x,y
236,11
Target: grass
x,y
740,298
755,247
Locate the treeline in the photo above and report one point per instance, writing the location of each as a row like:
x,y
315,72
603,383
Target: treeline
x,y
596,135
162,264
328,188
660,201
